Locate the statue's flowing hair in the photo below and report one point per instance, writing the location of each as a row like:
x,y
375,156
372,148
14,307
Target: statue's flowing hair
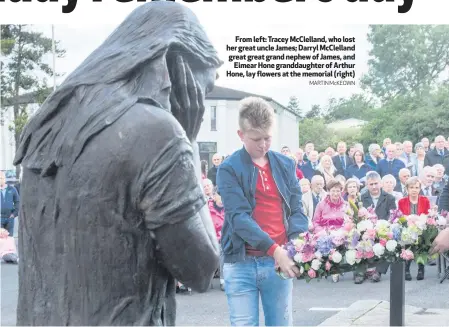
x,y
103,87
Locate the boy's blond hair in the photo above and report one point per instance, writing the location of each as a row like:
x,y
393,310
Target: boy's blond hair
x,y
255,114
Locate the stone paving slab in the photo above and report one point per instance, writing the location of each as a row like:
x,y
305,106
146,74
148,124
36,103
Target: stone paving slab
x,y
377,313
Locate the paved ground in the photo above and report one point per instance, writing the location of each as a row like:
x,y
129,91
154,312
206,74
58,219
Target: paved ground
x,y
313,302
377,313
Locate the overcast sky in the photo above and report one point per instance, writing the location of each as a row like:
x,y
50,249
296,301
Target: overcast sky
x,y
79,41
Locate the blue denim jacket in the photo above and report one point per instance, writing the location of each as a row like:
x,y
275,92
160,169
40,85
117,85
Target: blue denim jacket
x,y
236,183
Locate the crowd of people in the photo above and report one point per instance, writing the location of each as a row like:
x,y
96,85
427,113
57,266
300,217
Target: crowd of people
x,y
394,175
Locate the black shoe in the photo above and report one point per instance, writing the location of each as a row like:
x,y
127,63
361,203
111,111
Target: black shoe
x,y
420,275
408,276
359,279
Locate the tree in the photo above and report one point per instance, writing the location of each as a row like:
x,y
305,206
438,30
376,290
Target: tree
x,y
315,129
293,105
406,59
314,112
6,40
358,106
24,62
411,117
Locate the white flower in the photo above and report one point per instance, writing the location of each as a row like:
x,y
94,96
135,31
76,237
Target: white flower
x,y
301,270
316,264
350,257
391,245
298,257
318,255
336,257
382,224
441,221
364,225
378,249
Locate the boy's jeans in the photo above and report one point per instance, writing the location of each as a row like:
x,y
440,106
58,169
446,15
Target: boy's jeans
x,y
245,281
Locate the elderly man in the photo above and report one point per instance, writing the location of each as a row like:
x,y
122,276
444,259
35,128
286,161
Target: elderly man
x,y
112,210
212,173
409,158
390,165
300,158
309,147
341,160
426,143
311,199
439,155
440,178
427,179
309,169
9,204
383,204
404,175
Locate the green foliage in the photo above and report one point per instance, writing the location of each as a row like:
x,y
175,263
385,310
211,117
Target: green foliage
x,y
293,105
406,59
410,118
22,65
314,112
358,106
315,130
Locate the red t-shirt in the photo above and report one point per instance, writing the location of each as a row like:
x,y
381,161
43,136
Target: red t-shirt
x,y
268,212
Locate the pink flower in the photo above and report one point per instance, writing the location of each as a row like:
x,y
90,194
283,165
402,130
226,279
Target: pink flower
x,y
370,234
390,235
412,219
431,221
383,242
363,212
349,226
359,254
327,266
308,256
311,273
369,254
407,255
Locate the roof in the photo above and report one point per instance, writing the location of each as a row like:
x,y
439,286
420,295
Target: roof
x,y
350,122
218,93
225,93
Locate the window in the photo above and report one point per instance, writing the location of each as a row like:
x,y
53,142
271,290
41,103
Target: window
x,y
213,118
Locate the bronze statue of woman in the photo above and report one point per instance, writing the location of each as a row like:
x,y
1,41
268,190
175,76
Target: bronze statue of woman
x,y
112,210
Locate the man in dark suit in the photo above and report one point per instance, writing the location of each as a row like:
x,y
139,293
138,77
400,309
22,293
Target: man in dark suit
x,y
342,160
309,168
390,165
404,174
439,155
443,201
383,204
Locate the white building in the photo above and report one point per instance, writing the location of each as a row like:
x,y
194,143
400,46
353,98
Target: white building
x,y
347,123
218,132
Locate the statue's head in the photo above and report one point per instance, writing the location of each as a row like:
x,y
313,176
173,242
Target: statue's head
x,y
152,53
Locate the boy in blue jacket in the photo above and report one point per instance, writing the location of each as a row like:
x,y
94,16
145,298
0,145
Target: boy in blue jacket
x,y
263,210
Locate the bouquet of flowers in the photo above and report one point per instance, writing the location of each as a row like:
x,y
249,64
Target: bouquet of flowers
x,y
363,241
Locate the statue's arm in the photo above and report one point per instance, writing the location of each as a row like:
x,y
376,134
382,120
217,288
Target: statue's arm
x,y
176,213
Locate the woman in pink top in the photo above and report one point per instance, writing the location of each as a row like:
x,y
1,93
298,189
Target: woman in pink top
x,y
8,250
330,212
